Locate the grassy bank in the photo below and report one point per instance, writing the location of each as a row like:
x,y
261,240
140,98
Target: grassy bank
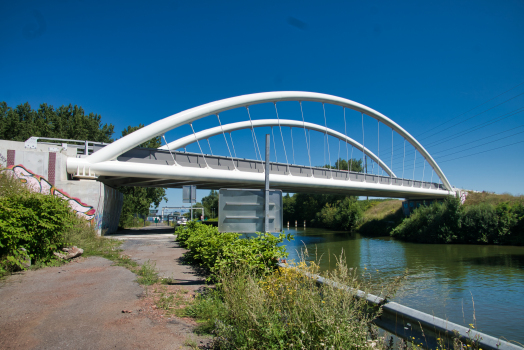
x,y
380,217
257,305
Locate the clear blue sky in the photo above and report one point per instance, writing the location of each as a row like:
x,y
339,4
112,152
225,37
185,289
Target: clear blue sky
x,y
419,63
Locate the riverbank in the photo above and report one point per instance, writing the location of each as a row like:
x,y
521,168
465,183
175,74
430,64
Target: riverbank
x,y
463,283
257,305
485,219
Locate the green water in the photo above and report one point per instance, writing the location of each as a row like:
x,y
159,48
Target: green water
x,y
454,282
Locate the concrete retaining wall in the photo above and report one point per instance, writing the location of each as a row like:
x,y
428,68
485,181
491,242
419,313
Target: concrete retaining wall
x,y
44,170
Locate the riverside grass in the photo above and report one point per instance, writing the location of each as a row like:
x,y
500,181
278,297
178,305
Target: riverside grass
x,y
275,308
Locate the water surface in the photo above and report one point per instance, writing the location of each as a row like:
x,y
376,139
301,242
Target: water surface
x,y
478,284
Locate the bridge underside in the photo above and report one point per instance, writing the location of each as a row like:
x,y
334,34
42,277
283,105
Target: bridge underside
x,y
325,180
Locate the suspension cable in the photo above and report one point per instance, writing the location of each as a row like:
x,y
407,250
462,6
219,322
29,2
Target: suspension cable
x,y
274,146
169,149
338,156
281,135
423,169
233,145
292,146
209,144
346,135
255,140
305,135
198,143
363,148
378,146
351,165
403,159
227,144
414,162
327,141
391,152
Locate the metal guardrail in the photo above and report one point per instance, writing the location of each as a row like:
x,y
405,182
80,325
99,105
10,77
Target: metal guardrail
x,y
421,328
32,142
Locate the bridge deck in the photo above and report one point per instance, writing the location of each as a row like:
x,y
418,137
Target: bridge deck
x,y
196,160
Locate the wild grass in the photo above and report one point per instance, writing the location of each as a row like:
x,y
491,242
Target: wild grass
x,y
382,209
288,309
476,198
381,217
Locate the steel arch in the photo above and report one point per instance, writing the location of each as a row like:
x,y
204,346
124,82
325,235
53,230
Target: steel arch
x,y
162,126
204,134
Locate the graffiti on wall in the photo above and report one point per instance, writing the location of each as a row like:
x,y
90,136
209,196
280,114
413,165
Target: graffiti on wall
x,y
39,184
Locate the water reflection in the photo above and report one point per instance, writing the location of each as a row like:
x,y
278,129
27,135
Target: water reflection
x,y
455,282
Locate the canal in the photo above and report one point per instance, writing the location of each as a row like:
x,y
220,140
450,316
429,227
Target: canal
x,y
466,284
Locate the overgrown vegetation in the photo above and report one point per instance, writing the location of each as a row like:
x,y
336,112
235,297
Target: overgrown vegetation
x,y
257,306
71,122
213,250
478,222
380,217
42,224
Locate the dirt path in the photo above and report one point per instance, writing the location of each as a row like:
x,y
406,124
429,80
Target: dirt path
x,y
79,305
156,243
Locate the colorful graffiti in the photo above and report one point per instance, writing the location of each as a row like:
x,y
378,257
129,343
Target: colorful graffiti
x,y
39,184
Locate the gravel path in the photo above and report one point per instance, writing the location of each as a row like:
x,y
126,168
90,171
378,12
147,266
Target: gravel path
x,y
80,305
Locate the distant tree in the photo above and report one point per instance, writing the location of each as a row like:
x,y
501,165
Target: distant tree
x,y
65,122
354,165
155,142
138,200
197,213
288,206
211,202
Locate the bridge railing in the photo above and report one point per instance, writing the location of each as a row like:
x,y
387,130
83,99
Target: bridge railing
x,y
188,159
84,147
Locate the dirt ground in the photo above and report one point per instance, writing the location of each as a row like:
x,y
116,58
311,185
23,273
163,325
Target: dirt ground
x,y
90,304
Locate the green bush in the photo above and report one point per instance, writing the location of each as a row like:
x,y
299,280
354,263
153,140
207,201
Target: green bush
x,y
214,250
450,222
42,224
35,222
343,215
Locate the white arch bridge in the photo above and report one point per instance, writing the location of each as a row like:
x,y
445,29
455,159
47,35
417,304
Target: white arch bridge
x,y
123,163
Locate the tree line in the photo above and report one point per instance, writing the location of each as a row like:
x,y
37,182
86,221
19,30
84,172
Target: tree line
x,y
72,122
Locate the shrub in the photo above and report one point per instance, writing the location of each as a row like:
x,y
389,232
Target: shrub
x,y
344,215
41,224
35,222
450,222
214,250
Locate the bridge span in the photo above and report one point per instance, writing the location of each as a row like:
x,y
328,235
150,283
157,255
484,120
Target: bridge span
x,y
123,163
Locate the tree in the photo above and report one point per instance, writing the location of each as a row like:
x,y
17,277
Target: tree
x,y
65,122
197,213
138,200
155,142
354,165
210,204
